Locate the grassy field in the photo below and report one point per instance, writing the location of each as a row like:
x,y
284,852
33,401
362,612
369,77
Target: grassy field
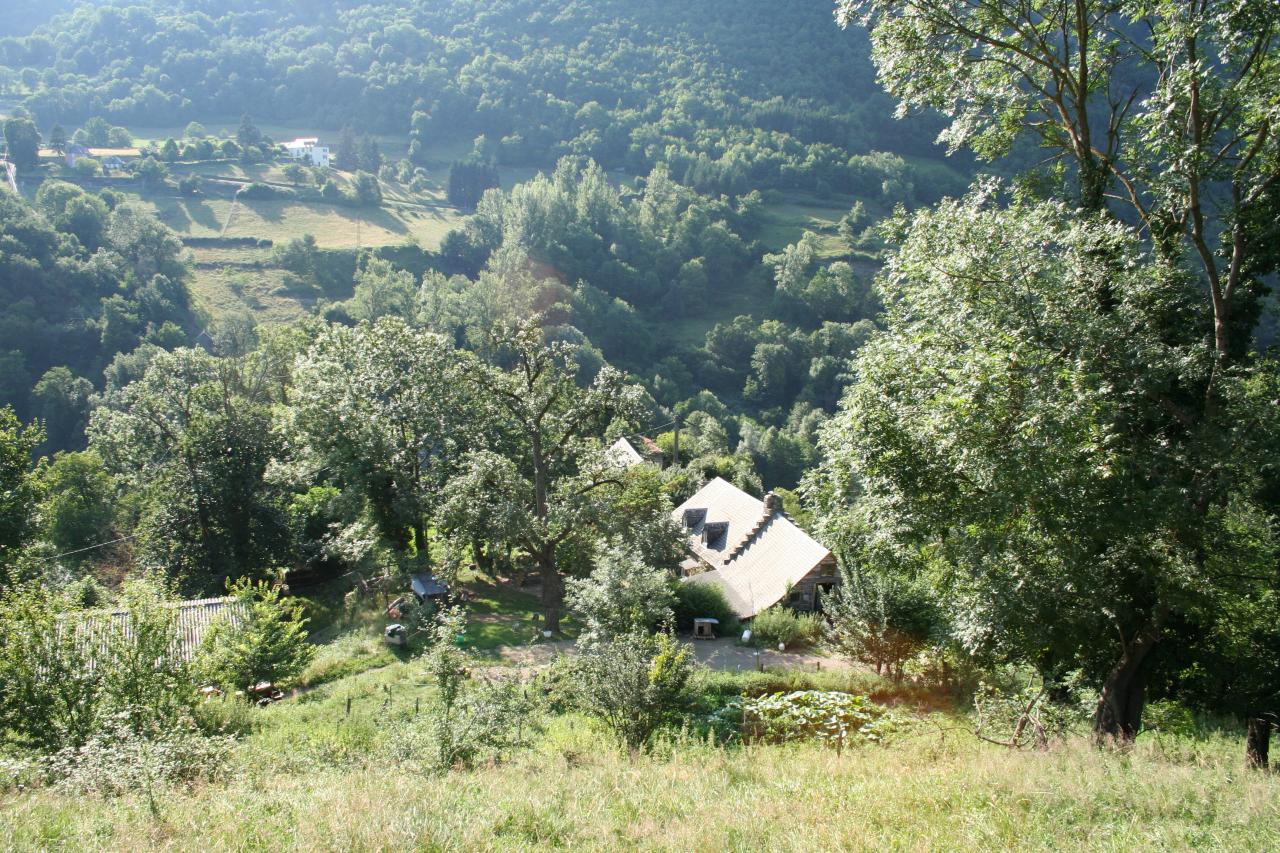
x,y
313,779
329,769
333,226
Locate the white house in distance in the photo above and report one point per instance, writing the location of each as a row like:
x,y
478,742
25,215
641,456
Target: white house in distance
x,y
752,551
309,149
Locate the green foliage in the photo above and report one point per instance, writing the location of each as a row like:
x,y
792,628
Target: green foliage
x,y
192,438
621,595
1027,715
468,180
704,601
117,760
542,481
51,693
365,190
881,620
144,682
387,407
267,641
780,625
466,721
19,489
76,512
835,719
22,142
634,684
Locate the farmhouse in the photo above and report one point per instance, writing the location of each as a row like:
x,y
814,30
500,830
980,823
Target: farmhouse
x,y
752,551
309,149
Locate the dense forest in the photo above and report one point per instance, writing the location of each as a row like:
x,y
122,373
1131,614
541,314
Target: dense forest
x,y
731,97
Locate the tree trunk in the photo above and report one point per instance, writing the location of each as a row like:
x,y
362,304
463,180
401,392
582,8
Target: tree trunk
x,y
421,542
552,591
484,560
1119,712
1257,743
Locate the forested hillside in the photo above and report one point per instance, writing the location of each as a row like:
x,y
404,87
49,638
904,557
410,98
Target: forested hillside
x,y
687,154
732,96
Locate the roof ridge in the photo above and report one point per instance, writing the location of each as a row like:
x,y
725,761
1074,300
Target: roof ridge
x,y
770,508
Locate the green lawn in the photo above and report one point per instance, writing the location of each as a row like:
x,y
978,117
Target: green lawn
x,y
333,226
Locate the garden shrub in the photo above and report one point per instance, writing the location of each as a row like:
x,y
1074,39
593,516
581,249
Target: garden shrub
x,y
704,601
634,684
831,717
784,625
117,760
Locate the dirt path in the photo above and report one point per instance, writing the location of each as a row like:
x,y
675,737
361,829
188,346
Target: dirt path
x,y
721,654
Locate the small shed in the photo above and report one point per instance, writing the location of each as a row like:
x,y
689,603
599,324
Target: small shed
x,y
705,629
426,587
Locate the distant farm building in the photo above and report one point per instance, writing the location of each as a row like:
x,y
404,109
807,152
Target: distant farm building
x,y
308,149
111,158
752,551
625,455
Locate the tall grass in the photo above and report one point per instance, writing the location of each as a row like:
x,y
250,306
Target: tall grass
x,y
925,793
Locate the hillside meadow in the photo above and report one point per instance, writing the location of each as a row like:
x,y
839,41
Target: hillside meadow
x,y
927,789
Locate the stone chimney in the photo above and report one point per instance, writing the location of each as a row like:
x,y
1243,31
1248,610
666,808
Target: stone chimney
x,y
772,504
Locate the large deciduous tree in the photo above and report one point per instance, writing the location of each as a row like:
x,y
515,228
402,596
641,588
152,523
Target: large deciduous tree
x,y
194,438
387,409
1037,447
543,481
1133,471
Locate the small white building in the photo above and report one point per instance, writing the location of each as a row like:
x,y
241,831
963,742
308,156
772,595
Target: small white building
x,y
308,149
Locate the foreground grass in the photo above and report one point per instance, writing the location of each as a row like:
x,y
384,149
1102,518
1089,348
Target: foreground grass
x,y
573,791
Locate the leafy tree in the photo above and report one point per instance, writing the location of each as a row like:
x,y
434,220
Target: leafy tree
x,y
1165,113
151,171
880,620
19,491
247,135
382,290
62,400
634,684
169,150
992,428
366,191
22,141
119,137
544,480
369,157
76,512
58,138
193,437
268,641
95,132
195,130
468,179
386,408
621,595
347,154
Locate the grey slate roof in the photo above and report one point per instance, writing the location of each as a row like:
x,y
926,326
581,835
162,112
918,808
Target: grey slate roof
x,y
751,551
194,619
